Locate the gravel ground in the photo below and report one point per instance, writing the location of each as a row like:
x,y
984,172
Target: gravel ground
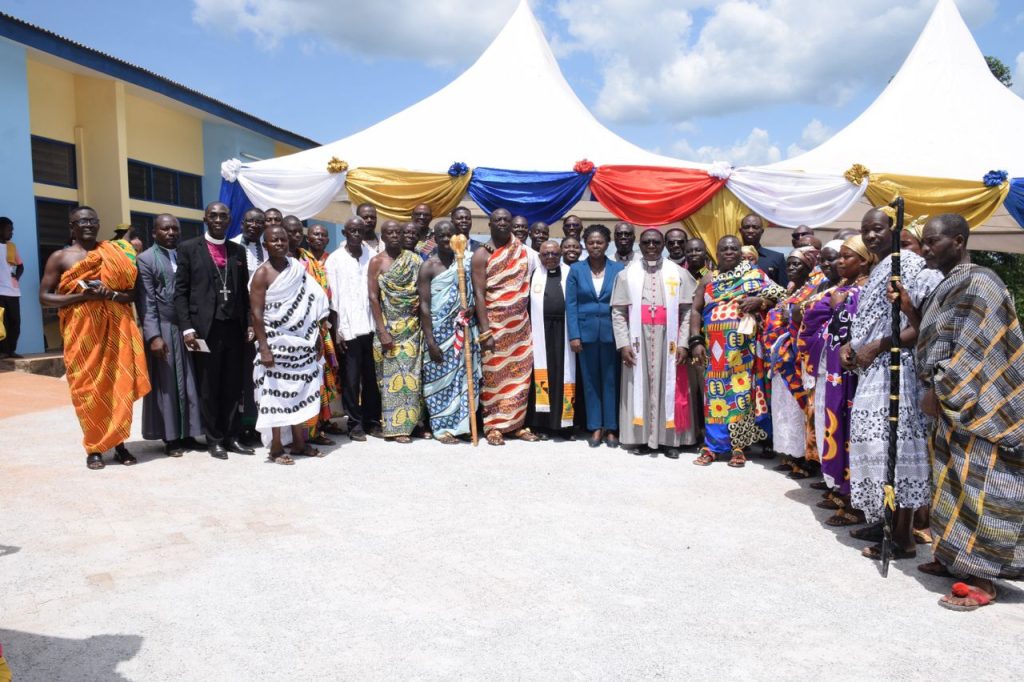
x,y
424,561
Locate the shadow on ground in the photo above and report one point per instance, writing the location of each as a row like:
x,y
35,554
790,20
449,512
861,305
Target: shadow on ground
x,y
42,658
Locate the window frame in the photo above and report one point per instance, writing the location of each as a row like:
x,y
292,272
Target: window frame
x,y
150,167
74,161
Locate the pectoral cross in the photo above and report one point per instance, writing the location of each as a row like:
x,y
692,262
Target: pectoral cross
x,y
652,309
225,291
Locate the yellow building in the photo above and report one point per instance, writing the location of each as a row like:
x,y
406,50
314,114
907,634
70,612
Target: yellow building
x,y
81,127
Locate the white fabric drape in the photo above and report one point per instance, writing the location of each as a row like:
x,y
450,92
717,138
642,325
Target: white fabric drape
x,y
791,198
298,192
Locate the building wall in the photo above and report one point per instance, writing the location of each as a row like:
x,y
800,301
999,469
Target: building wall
x,y
51,95
163,136
16,197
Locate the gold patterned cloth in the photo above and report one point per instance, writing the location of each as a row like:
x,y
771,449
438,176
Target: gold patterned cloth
x,y
398,370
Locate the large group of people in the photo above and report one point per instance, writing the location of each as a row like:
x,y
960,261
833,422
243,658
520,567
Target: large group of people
x,y
641,341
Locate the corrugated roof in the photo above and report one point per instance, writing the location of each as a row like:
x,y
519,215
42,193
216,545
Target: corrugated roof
x,y
42,39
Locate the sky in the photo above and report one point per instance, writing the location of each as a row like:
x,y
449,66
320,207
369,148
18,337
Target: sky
x,y
743,81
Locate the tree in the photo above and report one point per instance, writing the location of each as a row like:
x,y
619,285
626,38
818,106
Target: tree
x,y
1000,70
1009,266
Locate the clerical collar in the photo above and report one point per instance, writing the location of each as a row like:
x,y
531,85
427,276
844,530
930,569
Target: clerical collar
x,y
214,241
652,263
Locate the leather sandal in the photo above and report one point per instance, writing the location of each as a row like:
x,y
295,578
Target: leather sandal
x,y
705,458
738,459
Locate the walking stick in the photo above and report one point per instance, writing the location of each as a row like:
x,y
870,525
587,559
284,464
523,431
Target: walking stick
x,y
458,243
889,490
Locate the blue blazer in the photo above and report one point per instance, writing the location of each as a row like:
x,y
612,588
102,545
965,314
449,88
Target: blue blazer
x,y
588,313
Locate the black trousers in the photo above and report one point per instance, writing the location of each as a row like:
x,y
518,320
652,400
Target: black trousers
x,y
360,395
219,377
12,323
248,390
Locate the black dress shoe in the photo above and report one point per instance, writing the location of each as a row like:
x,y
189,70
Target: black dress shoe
x,y
174,448
217,451
672,453
232,445
191,443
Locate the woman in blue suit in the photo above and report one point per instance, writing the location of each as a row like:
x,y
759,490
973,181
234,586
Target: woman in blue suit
x,y
588,293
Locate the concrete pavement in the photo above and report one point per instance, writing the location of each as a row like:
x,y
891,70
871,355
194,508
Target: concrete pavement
x,y
382,561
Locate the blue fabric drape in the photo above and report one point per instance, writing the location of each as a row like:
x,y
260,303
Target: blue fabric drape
x,y
1015,200
232,194
544,197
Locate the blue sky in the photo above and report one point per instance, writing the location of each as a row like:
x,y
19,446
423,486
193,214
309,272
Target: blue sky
x,y
748,81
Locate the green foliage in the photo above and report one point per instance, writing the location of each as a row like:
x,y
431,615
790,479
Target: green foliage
x,y
1000,70
1010,268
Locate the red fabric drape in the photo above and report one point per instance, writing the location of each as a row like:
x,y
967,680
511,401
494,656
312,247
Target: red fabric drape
x,y
650,195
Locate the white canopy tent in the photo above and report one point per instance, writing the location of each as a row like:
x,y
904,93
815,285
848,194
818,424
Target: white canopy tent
x,y
943,115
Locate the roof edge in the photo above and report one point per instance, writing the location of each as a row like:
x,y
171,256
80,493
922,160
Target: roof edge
x,y
44,40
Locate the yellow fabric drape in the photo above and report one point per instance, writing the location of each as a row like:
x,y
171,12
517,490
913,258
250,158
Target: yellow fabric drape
x,y
929,196
396,192
719,217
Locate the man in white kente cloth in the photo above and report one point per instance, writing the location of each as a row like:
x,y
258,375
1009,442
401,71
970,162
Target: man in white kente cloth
x,y
287,306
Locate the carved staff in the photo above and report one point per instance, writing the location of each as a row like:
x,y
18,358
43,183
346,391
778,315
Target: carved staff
x,y
458,243
889,490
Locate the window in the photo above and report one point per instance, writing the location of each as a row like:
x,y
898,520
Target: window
x,y
53,162
164,185
143,224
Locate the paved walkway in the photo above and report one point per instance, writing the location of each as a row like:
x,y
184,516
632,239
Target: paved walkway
x,y
546,561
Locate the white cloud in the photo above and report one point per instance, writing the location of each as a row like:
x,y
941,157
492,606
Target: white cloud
x,y
757,149
814,134
1018,75
658,66
441,32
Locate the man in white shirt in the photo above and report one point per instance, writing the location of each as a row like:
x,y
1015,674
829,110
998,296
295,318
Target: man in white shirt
x,y
251,238
350,299
11,269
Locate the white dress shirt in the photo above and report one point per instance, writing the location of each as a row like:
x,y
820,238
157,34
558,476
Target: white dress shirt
x,y
350,297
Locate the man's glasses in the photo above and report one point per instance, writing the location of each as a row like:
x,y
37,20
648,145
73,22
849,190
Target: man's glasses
x,y
86,222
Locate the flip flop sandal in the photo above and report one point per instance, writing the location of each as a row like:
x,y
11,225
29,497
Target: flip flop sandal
x,y
738,460
447,439
934,568
922,536
309,451
843,518
706,458
828,504
526,435
872,533
280,458
95,461
494,437
875,552
965,591
404,440
321,440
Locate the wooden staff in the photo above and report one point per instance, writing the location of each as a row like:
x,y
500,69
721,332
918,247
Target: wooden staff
x,y
458,244
889,489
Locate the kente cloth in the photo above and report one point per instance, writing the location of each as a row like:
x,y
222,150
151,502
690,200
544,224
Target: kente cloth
x,y
869,417
507,371
330,381
103,349
445,386
789,413
288,394
546,291
641,308
426,248
825,331
170,411
735,397
971,350
398,370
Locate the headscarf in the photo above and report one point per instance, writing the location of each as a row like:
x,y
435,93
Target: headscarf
x,y
749,252
808,254
916,227
856,244
835,245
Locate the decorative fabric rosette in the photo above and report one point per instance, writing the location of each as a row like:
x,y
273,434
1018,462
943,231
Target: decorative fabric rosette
x,y
583,166
336,165
994,178
857,173
229,169
458,168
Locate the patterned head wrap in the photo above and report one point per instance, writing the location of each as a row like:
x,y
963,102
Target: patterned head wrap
x,y
749,252
808,254
916,227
